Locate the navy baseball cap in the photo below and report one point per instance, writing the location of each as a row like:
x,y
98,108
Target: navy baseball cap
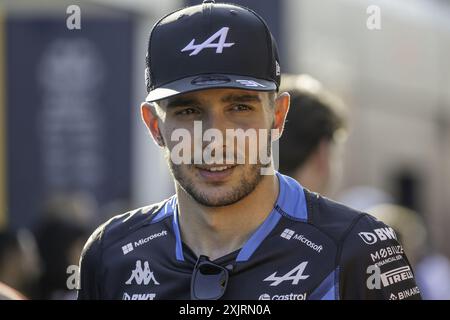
x,y
211,45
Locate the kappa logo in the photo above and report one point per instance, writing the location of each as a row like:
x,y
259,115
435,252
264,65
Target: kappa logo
x,y
209,43
295,275
142,275
381,234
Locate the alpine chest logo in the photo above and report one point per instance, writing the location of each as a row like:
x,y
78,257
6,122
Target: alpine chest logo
x,y
209,43
142,275
295,275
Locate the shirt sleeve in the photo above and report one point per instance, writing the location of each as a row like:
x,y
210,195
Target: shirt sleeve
x,y
90,264
373,264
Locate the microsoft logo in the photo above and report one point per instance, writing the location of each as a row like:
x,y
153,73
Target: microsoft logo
x,y
287,234
127,248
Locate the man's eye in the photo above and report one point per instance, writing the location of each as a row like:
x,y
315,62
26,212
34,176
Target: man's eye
x,y
186,111
241,107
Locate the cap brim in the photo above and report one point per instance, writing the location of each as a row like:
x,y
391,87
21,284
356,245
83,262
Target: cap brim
x,y
209,81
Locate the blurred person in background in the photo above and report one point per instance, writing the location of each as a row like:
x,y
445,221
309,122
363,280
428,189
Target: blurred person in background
x,y
432,269
68,219
314,132
19,263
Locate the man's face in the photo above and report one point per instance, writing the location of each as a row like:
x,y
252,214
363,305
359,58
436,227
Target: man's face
x,y
225,110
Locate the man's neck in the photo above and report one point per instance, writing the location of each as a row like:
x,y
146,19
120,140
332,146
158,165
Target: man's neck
x,y
217,231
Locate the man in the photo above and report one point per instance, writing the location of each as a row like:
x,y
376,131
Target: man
x,y
235,229
315,129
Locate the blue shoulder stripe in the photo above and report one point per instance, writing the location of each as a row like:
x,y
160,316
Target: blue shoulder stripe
x,y
170,208
292,200
328,289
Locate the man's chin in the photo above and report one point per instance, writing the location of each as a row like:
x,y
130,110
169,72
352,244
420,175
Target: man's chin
x,y
218,191
216,199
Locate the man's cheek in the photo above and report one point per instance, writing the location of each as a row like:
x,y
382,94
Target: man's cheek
x,y
180,148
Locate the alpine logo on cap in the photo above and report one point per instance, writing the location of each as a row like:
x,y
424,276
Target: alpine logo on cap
x,y
209,43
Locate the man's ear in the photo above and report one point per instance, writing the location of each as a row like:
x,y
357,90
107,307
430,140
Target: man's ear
x,y
150,118
281,110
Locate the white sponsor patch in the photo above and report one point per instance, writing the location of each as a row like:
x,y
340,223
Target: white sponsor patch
x,y
386,252
396,275
142,241
380,234
288,234
290,296
131,246
408,293
138,296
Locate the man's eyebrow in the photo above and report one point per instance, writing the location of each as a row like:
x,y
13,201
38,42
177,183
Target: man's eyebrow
x,y
180,101
241,98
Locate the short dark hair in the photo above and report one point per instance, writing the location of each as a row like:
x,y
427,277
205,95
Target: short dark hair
x,y
314,115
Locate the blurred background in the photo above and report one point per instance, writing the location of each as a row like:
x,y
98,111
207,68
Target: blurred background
x,y
74,152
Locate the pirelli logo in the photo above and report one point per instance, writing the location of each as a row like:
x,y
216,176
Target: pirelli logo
x,y
396,275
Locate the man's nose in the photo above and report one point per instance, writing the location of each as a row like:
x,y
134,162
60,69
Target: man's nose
x,y
215,120
215,124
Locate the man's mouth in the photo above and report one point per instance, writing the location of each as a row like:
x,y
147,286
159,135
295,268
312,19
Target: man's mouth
x,y
215,172
215,168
